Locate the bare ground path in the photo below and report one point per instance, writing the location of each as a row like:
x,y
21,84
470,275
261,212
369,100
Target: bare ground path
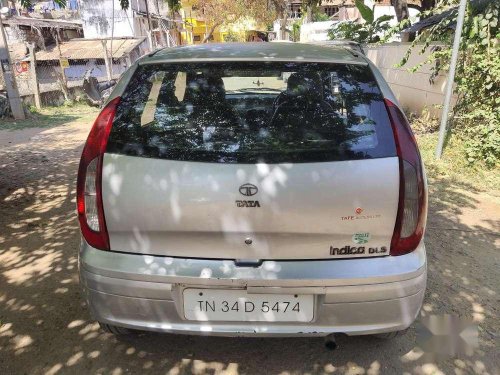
x,y
45,327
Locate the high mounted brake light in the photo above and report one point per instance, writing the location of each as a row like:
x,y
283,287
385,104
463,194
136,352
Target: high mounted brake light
x,y
88,187
412,207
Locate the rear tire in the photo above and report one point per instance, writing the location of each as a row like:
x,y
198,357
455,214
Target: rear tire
x,y
115,330
390,335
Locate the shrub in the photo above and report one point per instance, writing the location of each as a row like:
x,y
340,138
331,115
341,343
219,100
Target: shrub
x,y
476,114
367,32
423,123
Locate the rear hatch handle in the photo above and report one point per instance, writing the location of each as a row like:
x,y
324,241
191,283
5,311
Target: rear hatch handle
x,y
254,263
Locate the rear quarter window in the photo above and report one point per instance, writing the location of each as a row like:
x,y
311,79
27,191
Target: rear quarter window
x,y
252,112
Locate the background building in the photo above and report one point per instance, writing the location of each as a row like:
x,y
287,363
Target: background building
x,y
194,27
144,18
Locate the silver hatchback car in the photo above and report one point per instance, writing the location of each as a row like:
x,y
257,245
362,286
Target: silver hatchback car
x,y
252,189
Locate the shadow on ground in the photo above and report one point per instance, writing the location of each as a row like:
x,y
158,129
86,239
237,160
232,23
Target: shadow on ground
x,y
45,327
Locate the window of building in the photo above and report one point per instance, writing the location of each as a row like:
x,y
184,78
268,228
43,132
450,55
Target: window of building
x,y
330,10
295,10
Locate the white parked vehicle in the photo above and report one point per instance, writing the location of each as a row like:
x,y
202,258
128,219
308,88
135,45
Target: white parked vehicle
x,y
252,189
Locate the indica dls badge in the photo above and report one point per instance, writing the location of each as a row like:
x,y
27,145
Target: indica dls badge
x,y
360,238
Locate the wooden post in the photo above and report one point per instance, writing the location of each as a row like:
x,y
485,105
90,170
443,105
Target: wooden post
x,y
128,60
192,26
16,104
168,38
162,33
106,59
63,81
34,79
152,45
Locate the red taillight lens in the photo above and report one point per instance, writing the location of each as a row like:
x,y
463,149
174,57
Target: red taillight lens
x,y
412,209
88,187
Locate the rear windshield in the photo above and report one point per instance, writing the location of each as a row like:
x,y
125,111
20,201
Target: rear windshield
x,y
252,112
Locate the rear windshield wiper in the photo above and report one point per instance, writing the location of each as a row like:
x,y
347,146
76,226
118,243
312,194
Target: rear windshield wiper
x,y
250,89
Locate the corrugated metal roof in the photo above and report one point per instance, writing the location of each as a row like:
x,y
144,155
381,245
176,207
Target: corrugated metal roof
x,y
80,49
432,20
43,22
477,5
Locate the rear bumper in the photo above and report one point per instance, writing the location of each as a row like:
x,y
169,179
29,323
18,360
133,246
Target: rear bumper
x,y
353,296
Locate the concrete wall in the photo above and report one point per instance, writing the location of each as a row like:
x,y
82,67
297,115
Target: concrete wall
x,y
48,73
382,10
414,90
97,19
315,31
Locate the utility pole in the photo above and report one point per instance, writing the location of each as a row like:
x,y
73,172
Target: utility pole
x,y
16,104
451,78
33,76
107,62
63,63
150,31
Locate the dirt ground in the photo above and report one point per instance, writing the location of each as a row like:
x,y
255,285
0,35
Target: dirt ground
x,y
45,327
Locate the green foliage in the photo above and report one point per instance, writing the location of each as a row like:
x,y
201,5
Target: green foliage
x,y
295,34
477,112
232,36
174,5
367,32
476,117
124,4
48,117
319,16
367,13
453,168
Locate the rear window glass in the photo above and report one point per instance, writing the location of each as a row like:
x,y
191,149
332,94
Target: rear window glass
x,y
252,112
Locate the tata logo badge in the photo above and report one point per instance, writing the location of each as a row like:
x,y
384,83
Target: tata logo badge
x,y
248,190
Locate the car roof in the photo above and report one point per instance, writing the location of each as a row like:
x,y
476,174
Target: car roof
x,y
258,51
355,46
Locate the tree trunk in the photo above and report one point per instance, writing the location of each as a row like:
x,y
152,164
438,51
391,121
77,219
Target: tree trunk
x,y
210,32
401,8
428,4
309,14
61,80
281,9
283,20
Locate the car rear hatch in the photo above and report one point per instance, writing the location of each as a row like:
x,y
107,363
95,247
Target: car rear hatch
x,y
251,161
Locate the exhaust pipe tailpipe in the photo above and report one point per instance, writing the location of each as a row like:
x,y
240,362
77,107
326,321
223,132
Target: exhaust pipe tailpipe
x,y
330,342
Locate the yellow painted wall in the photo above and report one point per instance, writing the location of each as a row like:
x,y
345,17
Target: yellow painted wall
x,y
195,28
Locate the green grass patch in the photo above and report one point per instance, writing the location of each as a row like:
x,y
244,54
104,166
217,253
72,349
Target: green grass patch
x,y
49,117
453,167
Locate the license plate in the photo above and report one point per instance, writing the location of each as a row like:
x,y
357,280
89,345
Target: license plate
x,y
237,305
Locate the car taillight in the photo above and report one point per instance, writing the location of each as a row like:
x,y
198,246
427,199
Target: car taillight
x,y
412,208
88,187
